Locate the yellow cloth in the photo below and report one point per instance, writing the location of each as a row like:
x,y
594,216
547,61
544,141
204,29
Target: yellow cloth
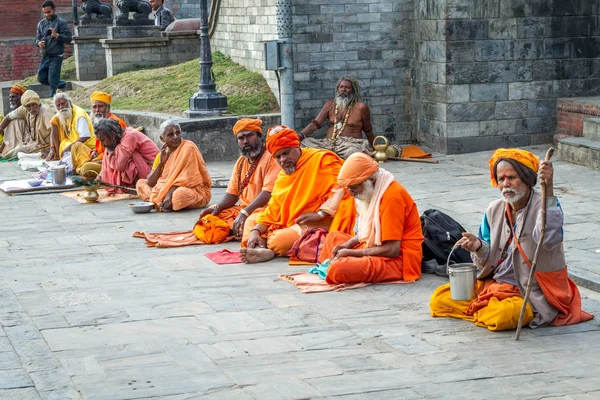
x,y
101,96
524,157
357,168
80,154
247,124
497,315
67,139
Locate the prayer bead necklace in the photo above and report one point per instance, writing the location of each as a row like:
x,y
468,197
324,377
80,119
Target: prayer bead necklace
x,y
338,127
242,184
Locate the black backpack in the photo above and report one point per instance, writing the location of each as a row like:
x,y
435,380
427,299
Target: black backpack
x,y
441,232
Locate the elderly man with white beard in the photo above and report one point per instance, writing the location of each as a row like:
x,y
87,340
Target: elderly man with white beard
x,y
70,125
86,161
348,119
388,245
33,132
12,130
506,242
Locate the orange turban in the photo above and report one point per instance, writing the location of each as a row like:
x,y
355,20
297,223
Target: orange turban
x,y
247,124
357,168
101,96
281,137
523,157
17,89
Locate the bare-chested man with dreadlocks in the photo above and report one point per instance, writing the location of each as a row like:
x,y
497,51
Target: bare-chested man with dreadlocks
x,y
348,119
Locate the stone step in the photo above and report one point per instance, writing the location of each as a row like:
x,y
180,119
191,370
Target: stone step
x,y
570,113
591,128
580,150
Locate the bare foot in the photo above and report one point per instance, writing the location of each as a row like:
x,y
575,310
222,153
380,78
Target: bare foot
x,y
256,255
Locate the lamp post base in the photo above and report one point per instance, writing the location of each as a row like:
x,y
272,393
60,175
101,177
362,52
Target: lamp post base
x,y
206,105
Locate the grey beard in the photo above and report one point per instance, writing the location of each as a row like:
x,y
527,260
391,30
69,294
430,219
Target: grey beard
x,y
96,118
13,106
289,170
342,101
253,152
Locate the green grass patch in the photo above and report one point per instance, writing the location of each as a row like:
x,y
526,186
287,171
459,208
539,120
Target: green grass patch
x,y
168,89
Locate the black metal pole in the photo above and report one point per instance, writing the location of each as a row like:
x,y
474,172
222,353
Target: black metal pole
x,y
206,83
75,12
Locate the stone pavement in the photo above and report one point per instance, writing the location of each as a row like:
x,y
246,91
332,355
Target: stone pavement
x,y
88,312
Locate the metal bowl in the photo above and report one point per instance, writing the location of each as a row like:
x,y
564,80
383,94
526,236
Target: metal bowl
x,y
141,207
35,182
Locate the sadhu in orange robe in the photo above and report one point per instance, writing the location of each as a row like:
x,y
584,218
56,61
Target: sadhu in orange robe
x,y
185,169
312,187
399,219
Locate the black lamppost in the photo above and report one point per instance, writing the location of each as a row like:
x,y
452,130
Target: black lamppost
x,y
207,101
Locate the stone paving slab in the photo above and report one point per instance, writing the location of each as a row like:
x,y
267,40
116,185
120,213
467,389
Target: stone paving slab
x,y
88,312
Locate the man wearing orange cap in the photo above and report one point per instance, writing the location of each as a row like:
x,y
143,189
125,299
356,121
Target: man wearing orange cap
x,y
12,134
27,128
503,250
252,179
305,195
388,244
84,158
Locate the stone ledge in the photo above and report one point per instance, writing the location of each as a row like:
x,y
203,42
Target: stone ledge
x,y
134,42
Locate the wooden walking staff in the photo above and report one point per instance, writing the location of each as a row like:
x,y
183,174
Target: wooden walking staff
x,y
537,250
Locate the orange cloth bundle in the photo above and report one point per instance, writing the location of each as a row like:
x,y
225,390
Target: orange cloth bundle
x,y
211,229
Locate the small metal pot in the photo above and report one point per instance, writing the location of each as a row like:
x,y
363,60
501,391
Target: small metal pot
x,y
463,281
59,175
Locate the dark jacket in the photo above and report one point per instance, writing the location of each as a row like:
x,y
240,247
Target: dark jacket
x,y
163,17
54,47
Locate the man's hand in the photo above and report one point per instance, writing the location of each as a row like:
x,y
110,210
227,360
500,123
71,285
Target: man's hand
x,y
309,217
346,253
255,240
53,33
93,155
238,225
42,44
51,154
469,242
546,172
167,203
210,210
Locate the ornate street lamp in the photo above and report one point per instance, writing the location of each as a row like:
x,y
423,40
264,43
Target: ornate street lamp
x,y
207,102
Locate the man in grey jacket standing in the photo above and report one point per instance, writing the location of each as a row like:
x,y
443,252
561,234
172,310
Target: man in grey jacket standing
x,y
162,15
52,34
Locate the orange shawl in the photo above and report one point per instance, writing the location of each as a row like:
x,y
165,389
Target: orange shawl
x,y
184,168
306,190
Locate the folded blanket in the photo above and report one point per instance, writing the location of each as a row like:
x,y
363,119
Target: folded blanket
x,y
172,239
311,283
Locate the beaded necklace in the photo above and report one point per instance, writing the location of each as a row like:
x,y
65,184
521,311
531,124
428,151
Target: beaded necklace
x,y
242,184
338,127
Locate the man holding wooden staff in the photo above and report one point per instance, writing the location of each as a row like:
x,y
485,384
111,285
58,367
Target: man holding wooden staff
x,y
504,250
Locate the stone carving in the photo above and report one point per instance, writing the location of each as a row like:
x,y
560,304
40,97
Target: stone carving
x,y
141,8
90,7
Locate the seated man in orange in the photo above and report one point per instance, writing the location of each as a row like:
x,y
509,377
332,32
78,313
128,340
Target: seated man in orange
x,y
305,195
507,241
129,154
388,244
85,159
179,178
252,180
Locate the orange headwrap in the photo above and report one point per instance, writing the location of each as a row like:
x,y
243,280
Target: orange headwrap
x,y
247,124
17,89
281,137
101,96
357,168
524,157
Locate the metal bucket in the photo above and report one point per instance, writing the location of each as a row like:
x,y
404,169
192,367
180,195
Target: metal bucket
x,y
59,175
463,281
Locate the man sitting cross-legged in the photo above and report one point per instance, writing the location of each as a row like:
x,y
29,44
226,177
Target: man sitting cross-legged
x,y
179,178
305,195
13,128
91,159
129,154
504,249
388,244
70,125
31,123
252,180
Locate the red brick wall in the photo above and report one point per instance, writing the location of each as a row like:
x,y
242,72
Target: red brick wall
x,y
19,57
570,116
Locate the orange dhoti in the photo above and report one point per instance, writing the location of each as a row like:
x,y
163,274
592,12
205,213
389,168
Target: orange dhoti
x,y
496,307
358,269
182,197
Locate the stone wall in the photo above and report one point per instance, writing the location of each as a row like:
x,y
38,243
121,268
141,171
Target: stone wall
x,y
184,8
241,27
371,40
490,71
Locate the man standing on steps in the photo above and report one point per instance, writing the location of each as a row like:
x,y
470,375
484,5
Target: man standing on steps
x,y
52,34
162,15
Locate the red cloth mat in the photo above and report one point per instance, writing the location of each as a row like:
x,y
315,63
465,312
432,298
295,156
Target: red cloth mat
x,y
225,257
